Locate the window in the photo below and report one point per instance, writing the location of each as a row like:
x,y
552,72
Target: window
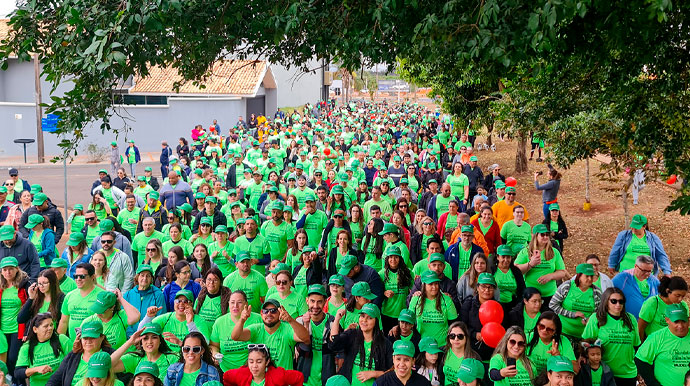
x,y
124,99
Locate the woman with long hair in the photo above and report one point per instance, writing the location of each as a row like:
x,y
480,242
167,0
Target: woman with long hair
x,y
15,213
308,273
115,314
362,193
100,205
261,370
292,202
541,253
360,295
403,205
368,354
88,342
509,279
672,290
76,252
337,300
412,180
99,371
398,219
44,296
205,233
489,228
433,308
428,362
556,224
293,302
419,216
547,340
356,221
397,281
154,256
42,352
343,247
166,274
619,336
201,264
100,264
42,237
575,300
214,298
183,280
234,352
509,365
418,250
456,349
146,344
467,284
179,216
221,251
293,255
176,239
372,244
195,365
14,292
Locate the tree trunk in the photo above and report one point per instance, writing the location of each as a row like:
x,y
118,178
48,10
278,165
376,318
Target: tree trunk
x,y
587,180
626,211
489,130
521,154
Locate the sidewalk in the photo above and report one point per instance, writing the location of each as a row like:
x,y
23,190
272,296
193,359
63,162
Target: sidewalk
x,y
81,159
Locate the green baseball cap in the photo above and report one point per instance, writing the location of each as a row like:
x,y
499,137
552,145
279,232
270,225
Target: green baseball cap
x,y
34,220
336,280
92,329
362,289
676,312
486,278
274,302
585,269
211,199
308,248
470,369
554,206
467,229
99,365
148,169
145,267
186,293
148,368
6,232
347,264
278,205
185,207
392,250
407,316
402,347
36,188
103,171
221,229
205,220
141,178
152,328
272,189
429,345
316,289
473,158
309,197
199,195
429,277
9,261
280,267
3,189
240,220
437,257
39,199
559,363
242,256
337,380
104,301
155,195
113,143
539,228
432,181
106,225
372,310
499,184
638,221
59,263
337,189
389,228
79,207
404,180
504,250
510,189
432,165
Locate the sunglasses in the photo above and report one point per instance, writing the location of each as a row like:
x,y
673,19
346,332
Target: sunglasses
x,y
205,225
617,301
519,343
337,216
267,311
427,223
182,301
542,327
89,218
402,206
151,249
257,347
510,194
193,349
107,241
82,277
281,282
456,336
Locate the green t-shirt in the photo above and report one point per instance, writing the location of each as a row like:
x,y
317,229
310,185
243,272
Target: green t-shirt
x,y
451,364
442,203
643,285
638,246
36,241
186,246
517,237
575,301
189,379
278,237
76,223
431,321
506,284
653,312
210,310
314,225
254,286
43,355
457,184
333,309
530,323
423,265
392,306
125,215
314,378
596,376
80,372
67,284
256,249
11,304
619,344
225,264
281,344
76,308
668,354
295,304
131,360
371,259
142,192
521,379
169,323
115,329
544,268
356,368
234,352
539,354
140,240
91,234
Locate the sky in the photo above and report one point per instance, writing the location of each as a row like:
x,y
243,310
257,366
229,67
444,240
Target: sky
x,y
6,6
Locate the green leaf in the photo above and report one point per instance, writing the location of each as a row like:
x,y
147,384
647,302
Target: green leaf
x,y
119,57
533,22
92,48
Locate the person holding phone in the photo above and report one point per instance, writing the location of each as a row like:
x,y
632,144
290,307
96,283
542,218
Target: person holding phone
x,y
509,365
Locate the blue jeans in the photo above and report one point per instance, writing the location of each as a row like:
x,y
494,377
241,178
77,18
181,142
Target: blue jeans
x,y
133,169
547,213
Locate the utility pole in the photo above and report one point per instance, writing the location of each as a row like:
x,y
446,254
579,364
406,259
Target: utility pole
x,y
39,112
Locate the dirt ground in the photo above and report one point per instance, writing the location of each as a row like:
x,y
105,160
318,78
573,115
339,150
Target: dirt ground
x,y
595,231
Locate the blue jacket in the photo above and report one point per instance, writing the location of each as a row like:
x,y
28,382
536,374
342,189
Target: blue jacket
x,y
452,256
176,370
625,281
171,290
47,246
656,251
137,156
174,197
73,267
142,300
166,152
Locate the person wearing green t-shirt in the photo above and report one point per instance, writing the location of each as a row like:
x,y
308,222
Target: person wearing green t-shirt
x,y
221,251
44,342
672,290
313,221
664,356
149,347
516,233
279,234
293,301
234,352
618,333
247,280
255,244
179,322
115,314
547,340
279,331
511,349
576,300
541,263
433,308
75,307
59,267
397,281
212,301
509,279
318,323
128,217
141,239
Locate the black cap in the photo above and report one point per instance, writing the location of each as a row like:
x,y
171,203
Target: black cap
x,y
14,172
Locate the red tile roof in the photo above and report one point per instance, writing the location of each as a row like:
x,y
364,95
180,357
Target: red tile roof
x,y
228,77
4,28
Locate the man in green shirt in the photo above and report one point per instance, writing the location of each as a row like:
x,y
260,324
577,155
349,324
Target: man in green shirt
x,y
92,226
59,266
247,280
279,234
254,244
321,365
384,205
313,221
75,307
279,332
129,216
142,238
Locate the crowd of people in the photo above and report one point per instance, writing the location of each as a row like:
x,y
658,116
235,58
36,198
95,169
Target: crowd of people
x,y
363,244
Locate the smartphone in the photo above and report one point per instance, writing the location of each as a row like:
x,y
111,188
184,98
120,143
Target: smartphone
x,y
511,362
77,330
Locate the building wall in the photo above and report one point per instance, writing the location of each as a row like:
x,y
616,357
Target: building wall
x,y
294,87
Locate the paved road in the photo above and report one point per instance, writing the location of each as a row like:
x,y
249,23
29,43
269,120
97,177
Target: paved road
x,y
79,179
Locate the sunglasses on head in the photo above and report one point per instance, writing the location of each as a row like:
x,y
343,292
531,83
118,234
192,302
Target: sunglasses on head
x,y
267,311
617,301
257,347
542,327
519,343
193,349
337,216
456,336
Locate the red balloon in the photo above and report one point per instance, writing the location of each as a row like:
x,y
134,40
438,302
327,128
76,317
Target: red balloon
x,y
327,151
510,181
672,180
492,333
490,311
